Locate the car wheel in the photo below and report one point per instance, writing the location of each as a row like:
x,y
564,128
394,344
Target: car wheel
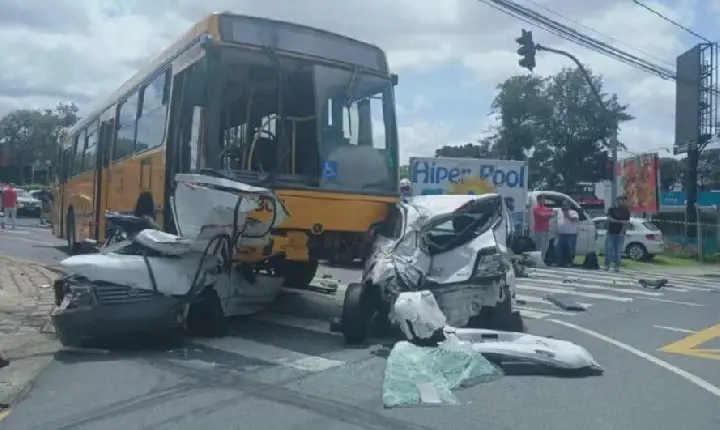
x,y
298,274
355,315
505,318
636,251
206,317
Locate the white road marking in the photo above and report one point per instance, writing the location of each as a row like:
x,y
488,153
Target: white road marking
x,y
705,385
545,311
540,300
585,284
677,302
675,329
574,293
272,354
533,315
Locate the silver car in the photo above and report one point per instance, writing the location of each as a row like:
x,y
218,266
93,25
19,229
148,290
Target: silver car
x,y
456,246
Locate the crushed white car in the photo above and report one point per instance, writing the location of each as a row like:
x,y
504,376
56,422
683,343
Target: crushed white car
x,y
455,246
152,281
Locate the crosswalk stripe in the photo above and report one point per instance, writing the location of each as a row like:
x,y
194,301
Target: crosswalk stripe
x,y
271,354
545,311
539,300
600,287
571,291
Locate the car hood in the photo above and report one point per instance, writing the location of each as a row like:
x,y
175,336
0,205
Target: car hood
x,y
28,200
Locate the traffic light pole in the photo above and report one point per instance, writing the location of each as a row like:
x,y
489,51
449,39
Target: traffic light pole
x,y
614,139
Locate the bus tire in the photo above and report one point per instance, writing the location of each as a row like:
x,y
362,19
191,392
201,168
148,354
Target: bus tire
x,y
70,233
299,274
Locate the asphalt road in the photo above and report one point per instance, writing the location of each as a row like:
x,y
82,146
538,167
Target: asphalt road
x,y
270,374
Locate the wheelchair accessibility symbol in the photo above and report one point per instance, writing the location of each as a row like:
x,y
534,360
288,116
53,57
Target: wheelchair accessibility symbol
x,y
330,170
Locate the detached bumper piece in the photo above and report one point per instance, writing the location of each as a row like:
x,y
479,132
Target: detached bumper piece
x,y
89,311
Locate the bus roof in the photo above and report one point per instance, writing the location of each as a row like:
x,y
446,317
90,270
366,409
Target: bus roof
x,y
210,25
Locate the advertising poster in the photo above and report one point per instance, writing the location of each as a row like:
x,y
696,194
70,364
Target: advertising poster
x,y
638,180
437,175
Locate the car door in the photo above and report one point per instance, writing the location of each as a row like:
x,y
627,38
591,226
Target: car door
x,y
586,231
601,228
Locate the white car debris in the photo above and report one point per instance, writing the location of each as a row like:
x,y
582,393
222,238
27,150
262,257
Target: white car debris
x,y
160,282
456,246
437,357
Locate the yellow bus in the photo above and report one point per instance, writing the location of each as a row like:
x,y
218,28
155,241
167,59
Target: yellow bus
x,y
305,112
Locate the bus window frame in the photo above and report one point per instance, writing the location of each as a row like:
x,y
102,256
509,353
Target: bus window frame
x,y
167,71
134,92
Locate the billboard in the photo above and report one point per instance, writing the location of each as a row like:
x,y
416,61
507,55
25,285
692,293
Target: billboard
x,y
639,180
438,175
687,99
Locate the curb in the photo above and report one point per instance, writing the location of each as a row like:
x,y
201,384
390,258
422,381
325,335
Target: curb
x,y
51,267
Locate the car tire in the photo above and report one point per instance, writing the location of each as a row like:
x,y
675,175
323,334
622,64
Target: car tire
x,y
298,274
355,315
636,251
505,318
206,317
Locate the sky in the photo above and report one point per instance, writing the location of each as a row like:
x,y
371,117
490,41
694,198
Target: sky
x,y
450,54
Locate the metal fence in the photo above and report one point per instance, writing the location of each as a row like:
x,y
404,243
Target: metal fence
x,y
706,247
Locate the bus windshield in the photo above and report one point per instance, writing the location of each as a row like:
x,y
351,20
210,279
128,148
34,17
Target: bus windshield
x,y
355,115
307,126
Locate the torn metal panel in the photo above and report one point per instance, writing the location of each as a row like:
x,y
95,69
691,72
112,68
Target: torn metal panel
x,y
455,246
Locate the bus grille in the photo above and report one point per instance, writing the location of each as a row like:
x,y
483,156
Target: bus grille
x,y
112,294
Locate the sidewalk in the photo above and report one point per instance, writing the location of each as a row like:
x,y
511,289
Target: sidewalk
x,y
27,337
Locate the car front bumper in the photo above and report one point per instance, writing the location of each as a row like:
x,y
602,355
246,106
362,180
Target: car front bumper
x,y
77,325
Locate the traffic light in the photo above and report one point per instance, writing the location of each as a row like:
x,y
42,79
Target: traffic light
x,y
527,50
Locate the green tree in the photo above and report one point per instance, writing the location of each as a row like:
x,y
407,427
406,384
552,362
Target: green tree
x,y
404,171
557,124
671,173
31,136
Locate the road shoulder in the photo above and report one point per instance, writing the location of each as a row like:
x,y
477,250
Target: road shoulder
x,y
27,338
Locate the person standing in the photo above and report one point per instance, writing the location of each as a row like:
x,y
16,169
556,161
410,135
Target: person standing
x,y
405,189
567,228
618,217
9,202
541,226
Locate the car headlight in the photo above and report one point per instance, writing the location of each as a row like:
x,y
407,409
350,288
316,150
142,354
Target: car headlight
x,y
491,265
80,294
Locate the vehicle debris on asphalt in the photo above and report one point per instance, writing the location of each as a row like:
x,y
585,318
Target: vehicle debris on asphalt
x,y
437,357
652,284
458,247
152,281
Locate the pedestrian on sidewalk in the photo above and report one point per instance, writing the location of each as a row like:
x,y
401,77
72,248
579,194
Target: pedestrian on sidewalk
x,y
567,228
541,226
618,218
9,202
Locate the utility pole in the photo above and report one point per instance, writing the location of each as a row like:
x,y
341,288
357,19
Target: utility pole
x,y
527,51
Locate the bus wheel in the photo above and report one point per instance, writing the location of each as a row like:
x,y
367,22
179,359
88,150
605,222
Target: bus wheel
x,y
299,274
70,233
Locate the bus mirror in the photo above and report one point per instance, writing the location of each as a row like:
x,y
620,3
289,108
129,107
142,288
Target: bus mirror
x,y
394,79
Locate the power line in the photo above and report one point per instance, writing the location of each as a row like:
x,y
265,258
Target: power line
x,y
534,18
592,30
675,23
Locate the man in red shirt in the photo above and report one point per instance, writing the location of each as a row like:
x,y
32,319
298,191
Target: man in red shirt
x,y
541,226
9,202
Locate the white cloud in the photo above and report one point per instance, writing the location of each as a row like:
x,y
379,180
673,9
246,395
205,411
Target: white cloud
x,y
83,49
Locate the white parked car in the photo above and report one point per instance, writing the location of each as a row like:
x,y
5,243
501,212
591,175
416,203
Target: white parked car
x,y
643,239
